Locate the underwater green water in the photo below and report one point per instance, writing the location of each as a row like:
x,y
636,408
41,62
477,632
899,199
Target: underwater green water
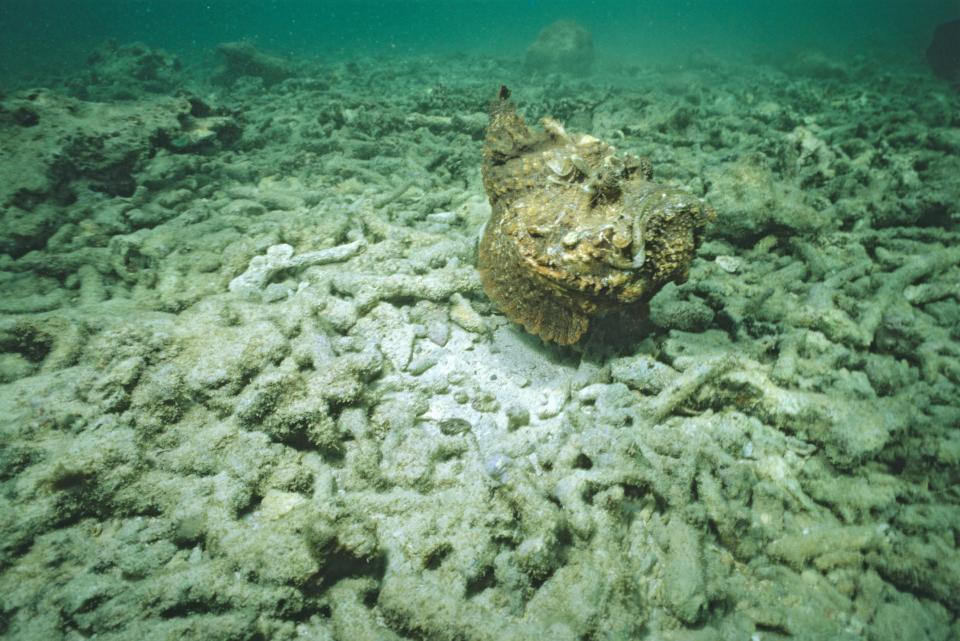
x,y
56,35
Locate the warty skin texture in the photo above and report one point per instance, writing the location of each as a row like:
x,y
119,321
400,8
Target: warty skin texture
x,y
576,229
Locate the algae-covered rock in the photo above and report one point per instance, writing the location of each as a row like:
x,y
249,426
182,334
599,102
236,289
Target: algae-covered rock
x,y
668,311
642,372
57,149
97,142
126,72
752,200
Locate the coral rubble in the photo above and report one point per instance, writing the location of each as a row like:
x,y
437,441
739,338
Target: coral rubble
x,y
220,419
125,72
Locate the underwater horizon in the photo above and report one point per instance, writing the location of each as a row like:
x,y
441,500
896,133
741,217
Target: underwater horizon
x,y
55,36
479,320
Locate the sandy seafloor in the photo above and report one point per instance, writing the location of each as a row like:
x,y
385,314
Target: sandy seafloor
x,y
351,443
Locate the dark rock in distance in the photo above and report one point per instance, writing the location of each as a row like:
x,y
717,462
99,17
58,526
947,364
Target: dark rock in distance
x,y
563,47
943,54
243,59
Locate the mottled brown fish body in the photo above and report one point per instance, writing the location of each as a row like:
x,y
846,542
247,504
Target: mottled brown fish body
x,y
576,229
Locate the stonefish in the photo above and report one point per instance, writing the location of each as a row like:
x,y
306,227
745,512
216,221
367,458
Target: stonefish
x,y
576,229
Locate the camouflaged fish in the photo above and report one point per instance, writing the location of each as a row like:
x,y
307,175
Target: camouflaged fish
x,y
575,228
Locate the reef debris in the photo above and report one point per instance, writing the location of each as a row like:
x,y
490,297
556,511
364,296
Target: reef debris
x,y
280,258
117,71
576,229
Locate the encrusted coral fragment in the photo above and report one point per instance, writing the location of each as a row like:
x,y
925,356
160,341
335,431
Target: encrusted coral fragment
x,y
576,229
